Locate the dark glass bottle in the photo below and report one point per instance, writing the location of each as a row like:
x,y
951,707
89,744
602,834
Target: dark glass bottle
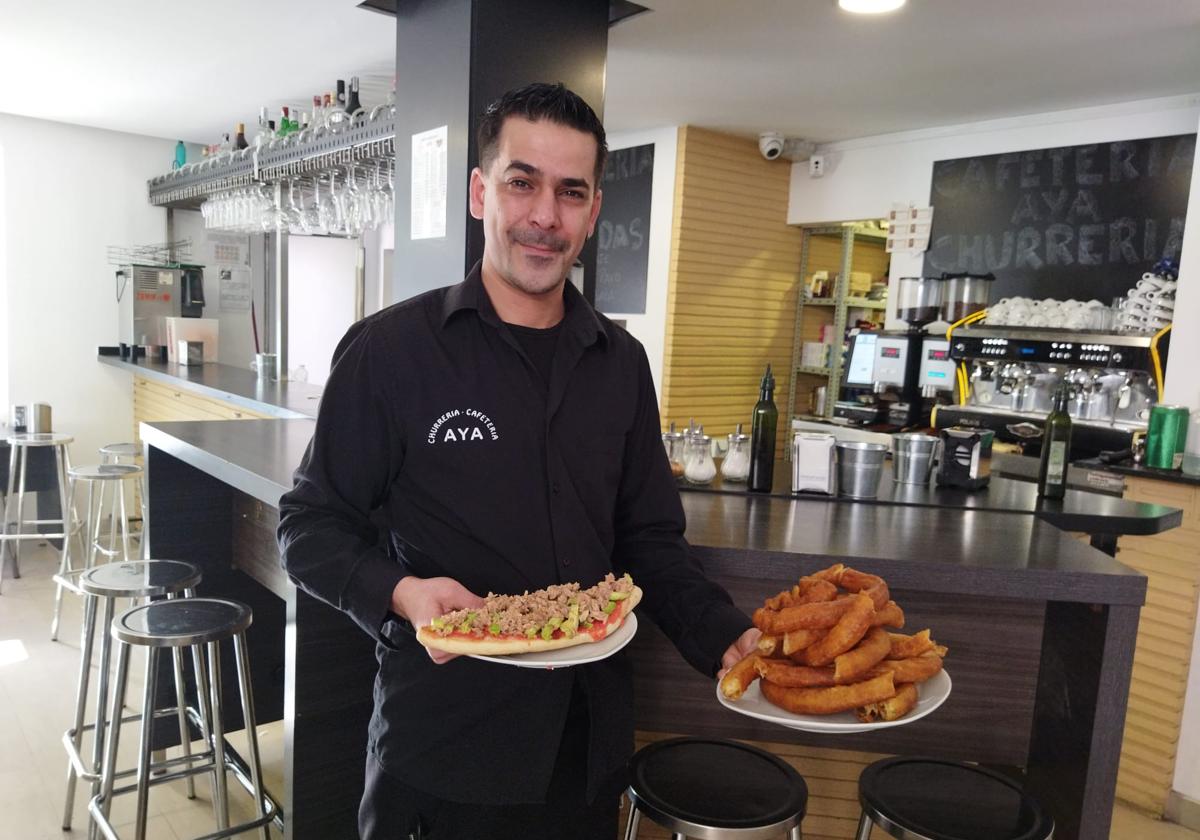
x,y
239,142
762,437
1056,449
352,103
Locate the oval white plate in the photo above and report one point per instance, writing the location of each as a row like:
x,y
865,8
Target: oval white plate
x,y
931,694
578,655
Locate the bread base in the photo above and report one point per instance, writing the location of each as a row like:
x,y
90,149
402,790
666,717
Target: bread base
x,y
488,646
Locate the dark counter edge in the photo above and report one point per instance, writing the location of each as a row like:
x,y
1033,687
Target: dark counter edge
x,y
235,475
284,400
1141,471
1085,575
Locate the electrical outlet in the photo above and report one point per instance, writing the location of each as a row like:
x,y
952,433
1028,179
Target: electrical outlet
x,y
816,166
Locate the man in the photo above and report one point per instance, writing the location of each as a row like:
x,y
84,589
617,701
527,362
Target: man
x,y
507,437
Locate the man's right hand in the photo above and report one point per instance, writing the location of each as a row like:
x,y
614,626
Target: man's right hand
x,y
420,600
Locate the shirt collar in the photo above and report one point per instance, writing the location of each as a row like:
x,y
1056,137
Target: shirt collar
x,y
579,316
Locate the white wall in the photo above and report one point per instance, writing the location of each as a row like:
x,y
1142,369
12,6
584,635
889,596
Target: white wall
x,y
865,176
320,300
650,327
3,302
70,192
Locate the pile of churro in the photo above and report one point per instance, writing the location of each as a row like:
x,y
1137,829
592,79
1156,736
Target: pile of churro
x,y
827,647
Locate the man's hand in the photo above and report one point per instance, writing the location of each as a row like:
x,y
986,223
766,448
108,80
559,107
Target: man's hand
x,y
739,650
420,600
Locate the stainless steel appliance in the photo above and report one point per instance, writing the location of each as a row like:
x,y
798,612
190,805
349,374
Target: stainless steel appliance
x,y
149,294
1012,372
913,371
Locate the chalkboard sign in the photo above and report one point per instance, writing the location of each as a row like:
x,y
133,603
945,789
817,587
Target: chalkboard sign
x,y
1076,222
623,231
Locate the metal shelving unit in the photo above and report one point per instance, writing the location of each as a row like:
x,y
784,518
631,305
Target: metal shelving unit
x,y
840,302
308,154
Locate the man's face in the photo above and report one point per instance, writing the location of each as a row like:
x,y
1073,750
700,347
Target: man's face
x,y
538,203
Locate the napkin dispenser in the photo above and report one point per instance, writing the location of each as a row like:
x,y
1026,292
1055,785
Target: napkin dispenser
x,y
966,457
814,469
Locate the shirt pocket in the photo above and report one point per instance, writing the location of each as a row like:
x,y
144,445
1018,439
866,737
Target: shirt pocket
x,y
598,476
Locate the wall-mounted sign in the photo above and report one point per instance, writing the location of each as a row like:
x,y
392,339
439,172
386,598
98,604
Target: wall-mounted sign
x,y
623,231
1077,222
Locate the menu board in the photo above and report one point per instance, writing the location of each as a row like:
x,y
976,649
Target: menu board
x,y
623,231
1076,222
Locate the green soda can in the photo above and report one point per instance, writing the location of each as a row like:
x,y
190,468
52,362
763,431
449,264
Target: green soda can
x,y
1166,436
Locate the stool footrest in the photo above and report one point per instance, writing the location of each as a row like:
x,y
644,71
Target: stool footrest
x,y
233,763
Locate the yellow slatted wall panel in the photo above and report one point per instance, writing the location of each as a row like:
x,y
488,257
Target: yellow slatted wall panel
x,y
1161,659
732,289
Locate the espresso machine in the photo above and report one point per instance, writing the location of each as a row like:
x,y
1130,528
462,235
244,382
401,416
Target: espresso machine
x,y
149,294
1012,373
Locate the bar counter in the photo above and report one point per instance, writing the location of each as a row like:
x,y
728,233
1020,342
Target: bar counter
x,y
1040,627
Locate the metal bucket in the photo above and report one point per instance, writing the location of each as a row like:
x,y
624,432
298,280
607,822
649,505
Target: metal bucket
x,y
915,454
860,466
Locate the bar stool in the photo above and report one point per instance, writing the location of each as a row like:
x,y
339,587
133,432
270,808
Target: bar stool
x,y
18,454
127,453
107,583
931,799
197,623
101,476
715,790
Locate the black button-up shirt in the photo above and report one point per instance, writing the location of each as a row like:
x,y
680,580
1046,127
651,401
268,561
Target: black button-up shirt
x,y
435,424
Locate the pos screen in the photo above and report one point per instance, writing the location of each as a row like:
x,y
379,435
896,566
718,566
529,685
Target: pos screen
x,y
860,367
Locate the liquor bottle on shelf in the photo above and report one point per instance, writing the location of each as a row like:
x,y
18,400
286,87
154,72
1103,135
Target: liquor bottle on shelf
x,y
180,155
285,122
240,141
762,437
1056,448
303,126
226,145
318,113
265,132
352,103
341,94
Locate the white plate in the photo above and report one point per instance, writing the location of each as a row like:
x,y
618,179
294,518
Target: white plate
x,y
930,694
578,655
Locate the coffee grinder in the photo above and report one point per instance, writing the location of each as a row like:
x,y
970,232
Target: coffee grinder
x,y
898,355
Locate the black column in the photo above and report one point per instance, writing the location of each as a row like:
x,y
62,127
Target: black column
x,y
453,57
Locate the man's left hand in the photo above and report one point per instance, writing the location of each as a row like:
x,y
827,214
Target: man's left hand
x,y
740,649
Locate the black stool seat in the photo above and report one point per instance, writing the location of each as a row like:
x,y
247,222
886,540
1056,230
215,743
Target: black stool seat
x,y
180,623
139,579
693,784
929,799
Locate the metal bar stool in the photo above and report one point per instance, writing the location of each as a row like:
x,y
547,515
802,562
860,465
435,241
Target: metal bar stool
x,y
107,583
197,623
18,454
95,476
931,799
127,453
715,790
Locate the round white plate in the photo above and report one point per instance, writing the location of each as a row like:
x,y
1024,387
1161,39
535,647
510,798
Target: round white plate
x,y
930,694
578,655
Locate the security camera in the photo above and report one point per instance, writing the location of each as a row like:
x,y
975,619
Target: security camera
x,y
770,144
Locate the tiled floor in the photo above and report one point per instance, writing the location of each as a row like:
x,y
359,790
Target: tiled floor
x,y
37,688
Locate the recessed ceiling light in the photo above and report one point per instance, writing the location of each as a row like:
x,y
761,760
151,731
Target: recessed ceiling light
x,y
870,7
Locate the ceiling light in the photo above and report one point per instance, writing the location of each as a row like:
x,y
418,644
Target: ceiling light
x,y
870,7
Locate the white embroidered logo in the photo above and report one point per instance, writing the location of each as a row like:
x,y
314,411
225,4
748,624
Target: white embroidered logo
x,y
461,426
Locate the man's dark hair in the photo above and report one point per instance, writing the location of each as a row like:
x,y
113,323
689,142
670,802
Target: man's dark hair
x,y
540,101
